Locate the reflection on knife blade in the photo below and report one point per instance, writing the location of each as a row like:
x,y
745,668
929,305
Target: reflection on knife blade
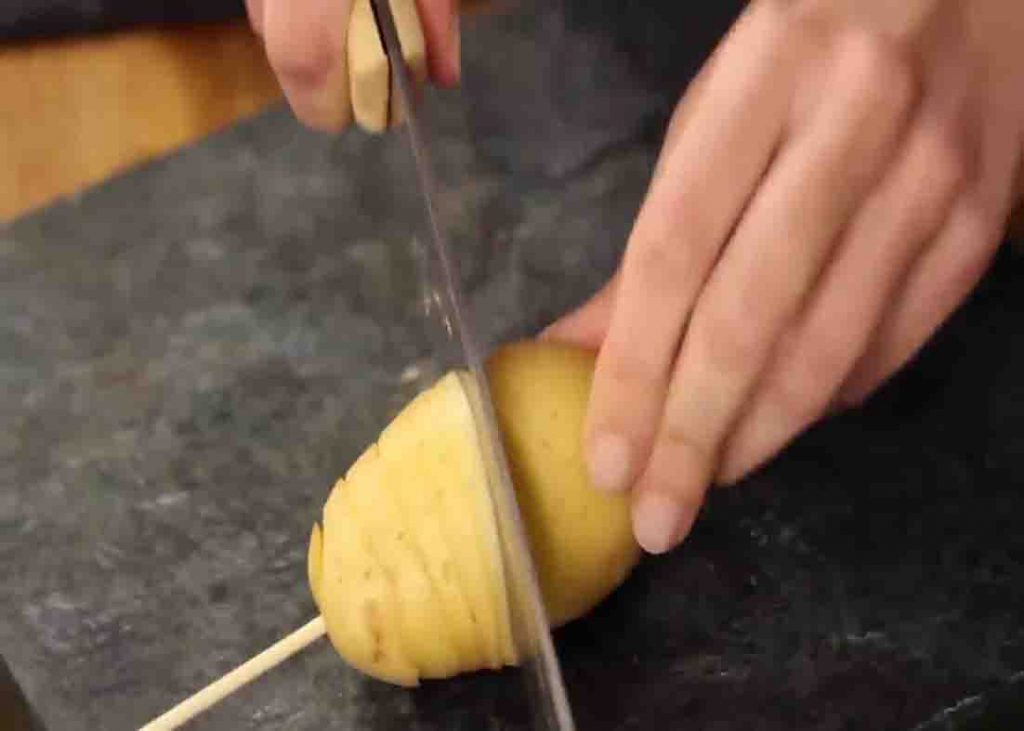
x,y
530,628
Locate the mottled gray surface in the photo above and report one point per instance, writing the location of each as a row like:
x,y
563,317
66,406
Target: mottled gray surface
x,y
190,355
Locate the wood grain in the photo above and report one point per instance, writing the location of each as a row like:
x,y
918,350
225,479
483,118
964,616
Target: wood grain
x,y
78,111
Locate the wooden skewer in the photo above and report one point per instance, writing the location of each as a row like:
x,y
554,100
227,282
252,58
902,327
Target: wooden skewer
x,y
240,676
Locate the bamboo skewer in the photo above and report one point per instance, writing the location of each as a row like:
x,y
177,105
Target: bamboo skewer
x,y
245,673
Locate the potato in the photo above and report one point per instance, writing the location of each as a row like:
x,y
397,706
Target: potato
x,y
372,87
405,567
582,540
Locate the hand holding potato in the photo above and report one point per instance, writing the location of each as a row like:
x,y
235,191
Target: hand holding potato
x,y
831,187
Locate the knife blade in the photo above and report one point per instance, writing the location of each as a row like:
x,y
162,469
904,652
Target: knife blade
x,y
529,623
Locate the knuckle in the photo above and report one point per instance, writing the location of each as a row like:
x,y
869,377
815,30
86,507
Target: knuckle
x,y
661,264
677,438
629,369
804,389
791,394
867,53
946,157
878,69
690,426
802,31
804,20
791,22
826,362
730,340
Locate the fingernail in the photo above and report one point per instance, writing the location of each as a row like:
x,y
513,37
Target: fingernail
x,y
660,522
608,458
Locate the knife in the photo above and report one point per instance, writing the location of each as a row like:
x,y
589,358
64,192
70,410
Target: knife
x,y
530,629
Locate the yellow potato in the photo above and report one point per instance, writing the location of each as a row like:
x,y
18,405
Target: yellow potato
x,y
422,627
371,84
405,567
358,600
582,540
428,532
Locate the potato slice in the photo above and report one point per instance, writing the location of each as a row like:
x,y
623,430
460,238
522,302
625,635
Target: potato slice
x,y
425,629
472,514
358,604
374,101
486,463
314,561
449,470
428,524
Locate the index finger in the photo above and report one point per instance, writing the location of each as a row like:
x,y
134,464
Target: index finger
x,y
711,171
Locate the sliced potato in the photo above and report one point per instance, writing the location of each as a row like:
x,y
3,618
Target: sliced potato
x,y
406,568
426,519
422,626
358,605
374,103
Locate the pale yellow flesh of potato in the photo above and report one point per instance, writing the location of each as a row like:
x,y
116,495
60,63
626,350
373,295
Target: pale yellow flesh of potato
x,y
415,499
405,567
372,85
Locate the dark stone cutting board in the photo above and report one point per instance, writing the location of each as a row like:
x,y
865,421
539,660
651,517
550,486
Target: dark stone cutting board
x,y
191,355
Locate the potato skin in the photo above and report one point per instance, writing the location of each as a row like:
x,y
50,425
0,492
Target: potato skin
x,y
581,539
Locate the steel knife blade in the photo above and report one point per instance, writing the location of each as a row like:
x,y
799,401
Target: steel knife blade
x,y
529,623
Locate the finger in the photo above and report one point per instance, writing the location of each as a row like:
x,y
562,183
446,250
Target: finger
x,y
771,263
705,177
305,44
587,325
254,8
950,269
683,112
440,22
887,234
